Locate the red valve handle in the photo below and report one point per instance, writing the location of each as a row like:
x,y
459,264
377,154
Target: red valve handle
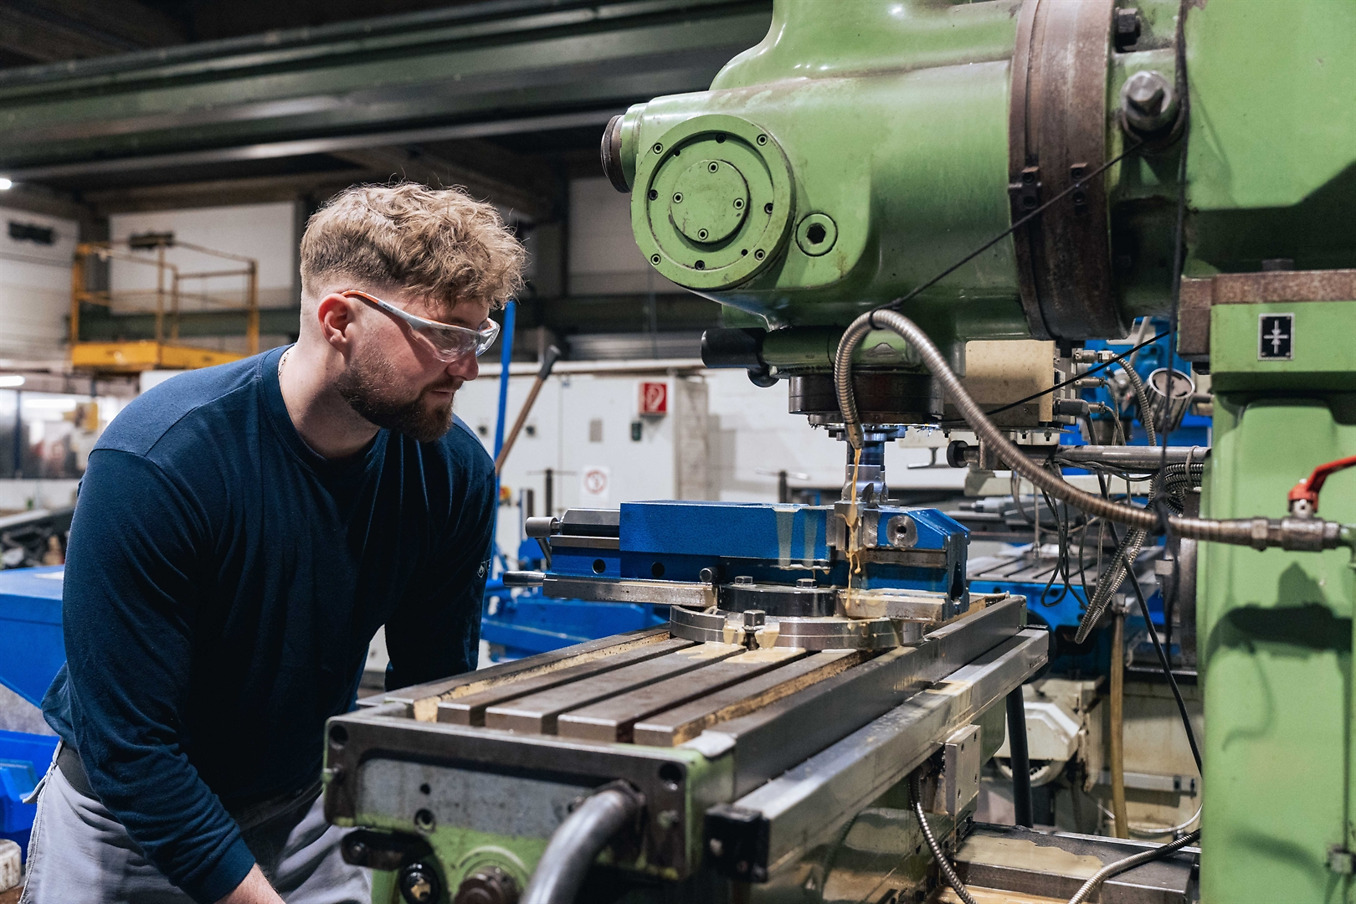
x,y
1308,489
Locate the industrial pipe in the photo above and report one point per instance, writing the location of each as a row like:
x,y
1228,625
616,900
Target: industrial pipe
x,y
578,841
1309,534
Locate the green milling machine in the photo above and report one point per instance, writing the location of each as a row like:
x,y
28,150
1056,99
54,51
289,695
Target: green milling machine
x,y
1066,166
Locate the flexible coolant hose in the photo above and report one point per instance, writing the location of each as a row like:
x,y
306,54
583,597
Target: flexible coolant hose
x,y
1258,533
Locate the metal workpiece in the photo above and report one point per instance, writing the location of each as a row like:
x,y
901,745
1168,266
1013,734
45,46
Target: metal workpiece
x,y
805,633
808,804
614,590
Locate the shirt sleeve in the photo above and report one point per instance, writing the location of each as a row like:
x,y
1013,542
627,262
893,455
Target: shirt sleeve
x,y
133,582
436,631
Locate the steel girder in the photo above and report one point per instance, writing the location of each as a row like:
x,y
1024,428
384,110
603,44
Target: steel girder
x,y
472,71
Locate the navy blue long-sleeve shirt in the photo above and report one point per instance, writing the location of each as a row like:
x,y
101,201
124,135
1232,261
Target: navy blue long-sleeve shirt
x,y
223,582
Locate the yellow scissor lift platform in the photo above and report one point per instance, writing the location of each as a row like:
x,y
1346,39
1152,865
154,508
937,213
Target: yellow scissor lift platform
x,y
164,352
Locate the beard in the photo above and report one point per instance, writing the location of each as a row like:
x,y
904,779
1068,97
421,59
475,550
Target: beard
x,y
367,387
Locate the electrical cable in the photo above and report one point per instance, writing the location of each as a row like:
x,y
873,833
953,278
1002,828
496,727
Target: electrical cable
x,y
1061,384
943,862
1077,185
1167,666
1259,533
1129,863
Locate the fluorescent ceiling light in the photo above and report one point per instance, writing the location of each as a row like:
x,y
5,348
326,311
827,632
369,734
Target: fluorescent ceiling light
x,y
5,184
10,381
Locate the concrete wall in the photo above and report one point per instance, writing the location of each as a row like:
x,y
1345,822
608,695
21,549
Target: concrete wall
x,y
35,286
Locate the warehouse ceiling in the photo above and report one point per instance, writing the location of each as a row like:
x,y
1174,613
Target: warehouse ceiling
x,y
110,106
136,104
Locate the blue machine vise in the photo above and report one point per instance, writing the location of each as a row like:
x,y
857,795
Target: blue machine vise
x,y
910,562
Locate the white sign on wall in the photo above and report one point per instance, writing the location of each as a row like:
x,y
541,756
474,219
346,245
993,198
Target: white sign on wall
x,y
594,485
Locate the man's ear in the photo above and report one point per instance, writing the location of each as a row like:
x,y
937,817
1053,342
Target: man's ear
x,y
336,318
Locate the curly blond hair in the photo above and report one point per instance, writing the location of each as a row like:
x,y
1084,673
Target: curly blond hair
x,y
437,244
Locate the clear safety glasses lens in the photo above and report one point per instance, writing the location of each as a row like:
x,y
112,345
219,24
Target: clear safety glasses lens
x,y
452,342
449,342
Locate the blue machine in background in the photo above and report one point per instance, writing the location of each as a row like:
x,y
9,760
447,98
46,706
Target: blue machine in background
x,y
31,653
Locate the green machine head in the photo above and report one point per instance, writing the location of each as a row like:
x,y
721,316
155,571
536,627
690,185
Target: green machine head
x,y
864,148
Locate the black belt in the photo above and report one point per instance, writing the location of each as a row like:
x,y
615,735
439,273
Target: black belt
x,y
68,761
248,817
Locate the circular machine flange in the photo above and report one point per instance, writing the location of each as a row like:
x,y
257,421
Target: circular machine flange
x,y
882,398
816,633
713,201
1057,127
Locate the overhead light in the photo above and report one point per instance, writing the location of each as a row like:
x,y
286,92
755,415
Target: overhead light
x,y
6,184
10,381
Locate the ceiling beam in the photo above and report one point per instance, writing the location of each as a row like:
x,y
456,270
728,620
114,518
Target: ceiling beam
x,y
51,31
225,192
463,72
419,166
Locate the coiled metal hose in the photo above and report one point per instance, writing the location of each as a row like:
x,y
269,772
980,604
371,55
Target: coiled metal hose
x,y
952,879
1129,863
1259,533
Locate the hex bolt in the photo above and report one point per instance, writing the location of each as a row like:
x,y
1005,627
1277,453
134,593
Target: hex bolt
x,y
1148,102
805,582
754,618
743,579
1145,93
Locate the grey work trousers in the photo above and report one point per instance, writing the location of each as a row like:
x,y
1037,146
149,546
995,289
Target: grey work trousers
x,y
79,853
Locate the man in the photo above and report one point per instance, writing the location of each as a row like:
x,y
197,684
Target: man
x,y
241,533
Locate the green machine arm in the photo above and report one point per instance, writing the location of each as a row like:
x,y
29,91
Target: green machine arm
x,y
863,148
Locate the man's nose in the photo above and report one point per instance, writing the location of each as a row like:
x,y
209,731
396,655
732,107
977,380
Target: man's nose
x,y
465,366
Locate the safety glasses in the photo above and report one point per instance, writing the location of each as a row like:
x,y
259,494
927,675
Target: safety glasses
x,y
449,342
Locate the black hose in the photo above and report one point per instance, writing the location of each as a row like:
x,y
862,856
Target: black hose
x,y
576,844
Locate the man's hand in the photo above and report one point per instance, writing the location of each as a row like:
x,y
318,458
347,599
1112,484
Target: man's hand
x,y
253,889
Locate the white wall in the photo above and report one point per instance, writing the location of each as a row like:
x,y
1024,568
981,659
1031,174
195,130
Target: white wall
x,y
265,232
35,287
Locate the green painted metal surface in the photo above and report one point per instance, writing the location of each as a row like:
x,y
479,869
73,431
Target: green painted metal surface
x,y
897,141
1275,628
893,118
1323,343
458,851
